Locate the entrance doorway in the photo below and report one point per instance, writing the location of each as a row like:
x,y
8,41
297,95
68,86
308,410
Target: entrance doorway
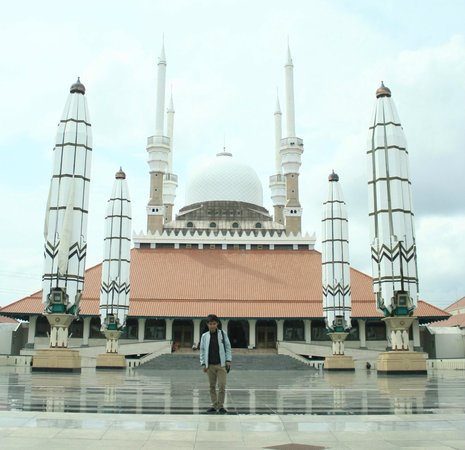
x,y
183,333
266,334
238,332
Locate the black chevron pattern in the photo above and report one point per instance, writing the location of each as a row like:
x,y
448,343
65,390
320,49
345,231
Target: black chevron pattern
x,y
336,290
399,251
78,251
50,249
114,286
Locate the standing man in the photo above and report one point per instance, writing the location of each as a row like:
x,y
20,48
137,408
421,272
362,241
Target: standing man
x,y
215,359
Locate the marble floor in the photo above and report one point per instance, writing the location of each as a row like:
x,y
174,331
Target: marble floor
x,y
295,410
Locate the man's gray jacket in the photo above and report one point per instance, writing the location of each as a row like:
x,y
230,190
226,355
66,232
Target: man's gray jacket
x,y
223,344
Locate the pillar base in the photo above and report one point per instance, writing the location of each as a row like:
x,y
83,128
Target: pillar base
x,y
56,360
110,361
339,362
402,362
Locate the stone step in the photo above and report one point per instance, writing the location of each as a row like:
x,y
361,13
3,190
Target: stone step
x,y
244,361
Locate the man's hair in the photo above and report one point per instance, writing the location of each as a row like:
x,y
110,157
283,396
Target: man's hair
x,y
212,318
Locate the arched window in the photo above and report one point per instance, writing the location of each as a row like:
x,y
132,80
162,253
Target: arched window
x,y
258,225
235,225
212,224
190,224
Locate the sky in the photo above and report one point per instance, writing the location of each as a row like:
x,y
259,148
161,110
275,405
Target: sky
x,y
225,64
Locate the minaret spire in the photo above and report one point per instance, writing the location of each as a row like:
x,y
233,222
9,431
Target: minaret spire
x,y
158,148
291,151
278,135
169,129
161,87
277,181
170,180
290,108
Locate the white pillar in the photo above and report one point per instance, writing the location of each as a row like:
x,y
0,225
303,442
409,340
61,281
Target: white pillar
x,y
388,335
31,332
196,331
416,335
308,331
280,330
86,331
169,329
362,333
141,330
252,330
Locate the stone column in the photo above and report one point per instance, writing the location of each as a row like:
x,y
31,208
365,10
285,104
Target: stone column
x,y
388,336
308,331
280,330
86,332
416,336
31,332
169,329
196,331
362,333
252,331
141,330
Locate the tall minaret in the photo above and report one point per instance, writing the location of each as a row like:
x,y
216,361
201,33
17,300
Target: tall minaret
x,y
65,228
336,274
292,148
158,148
277,181
393,249
170,180
115,286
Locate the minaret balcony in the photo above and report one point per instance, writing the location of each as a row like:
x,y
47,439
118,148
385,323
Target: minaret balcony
x,y
276,179
171,177
290,142
155,141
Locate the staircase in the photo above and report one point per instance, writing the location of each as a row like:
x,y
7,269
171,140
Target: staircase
x,y
241,361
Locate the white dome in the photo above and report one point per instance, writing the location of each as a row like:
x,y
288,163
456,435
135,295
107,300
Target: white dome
x,y
222,178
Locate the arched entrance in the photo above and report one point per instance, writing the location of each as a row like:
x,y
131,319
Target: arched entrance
x,y
238,333
183,332
266,334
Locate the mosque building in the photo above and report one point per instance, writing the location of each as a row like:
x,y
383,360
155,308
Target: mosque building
x,y
224,253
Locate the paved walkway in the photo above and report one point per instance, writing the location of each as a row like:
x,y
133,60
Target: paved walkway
x,y
295,410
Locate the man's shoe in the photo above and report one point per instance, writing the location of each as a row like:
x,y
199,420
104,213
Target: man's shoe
x,y
222,411
211,410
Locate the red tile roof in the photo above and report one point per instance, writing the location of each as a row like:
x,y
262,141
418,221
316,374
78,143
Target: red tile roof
x,y
457,320
456,305
230,283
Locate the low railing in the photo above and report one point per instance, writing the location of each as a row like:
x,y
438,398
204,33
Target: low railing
x,y
447,364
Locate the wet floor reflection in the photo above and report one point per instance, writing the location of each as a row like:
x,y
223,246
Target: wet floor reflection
x,y
248,392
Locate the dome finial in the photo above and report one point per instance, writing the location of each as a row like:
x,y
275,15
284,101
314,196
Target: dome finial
x,y
383,91
77,87
120,175
333,176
